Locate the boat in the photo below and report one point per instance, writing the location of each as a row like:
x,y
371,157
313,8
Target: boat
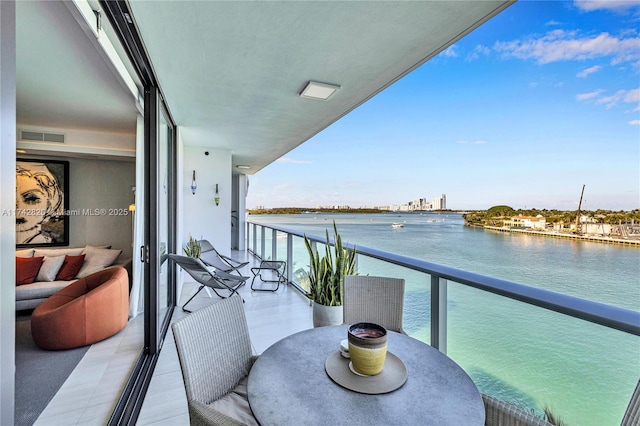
x,y
397,225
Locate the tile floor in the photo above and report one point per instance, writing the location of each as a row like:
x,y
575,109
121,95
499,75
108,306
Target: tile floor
x,y
90,393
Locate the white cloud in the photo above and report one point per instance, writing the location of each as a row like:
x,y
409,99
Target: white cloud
x,y
612,100
478,51
632,95
635,122
560,45
587,71
480,142
553,23
621,96
292,161
450,52
589,95
617,5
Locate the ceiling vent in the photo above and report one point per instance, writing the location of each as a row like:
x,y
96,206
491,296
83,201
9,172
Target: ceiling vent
x,y
27,135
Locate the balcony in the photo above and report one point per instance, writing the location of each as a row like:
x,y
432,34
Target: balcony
x,y
444,293
523,344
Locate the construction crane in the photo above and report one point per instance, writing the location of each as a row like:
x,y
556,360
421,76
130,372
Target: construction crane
x,y
578,215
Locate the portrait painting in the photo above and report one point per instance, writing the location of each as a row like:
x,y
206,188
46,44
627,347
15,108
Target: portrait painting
x,y
42,200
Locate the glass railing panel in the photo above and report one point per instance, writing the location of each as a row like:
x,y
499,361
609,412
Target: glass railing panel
x,y
268,247
416,319
299,263
250,234
281,246
300,266
535,357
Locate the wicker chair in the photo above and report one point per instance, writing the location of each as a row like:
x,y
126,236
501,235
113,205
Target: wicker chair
x,y
632,415
379,300
215,357
500,413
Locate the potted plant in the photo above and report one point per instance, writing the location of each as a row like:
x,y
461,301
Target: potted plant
x,y
193,248
326,279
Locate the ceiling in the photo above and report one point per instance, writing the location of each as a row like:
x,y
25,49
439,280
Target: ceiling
x,y
231,72
62,80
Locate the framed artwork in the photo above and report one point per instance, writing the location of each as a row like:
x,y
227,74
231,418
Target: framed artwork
x,y
42,203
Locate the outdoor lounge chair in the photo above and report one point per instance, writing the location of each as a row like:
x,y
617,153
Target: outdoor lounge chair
x,y
379,300
210,256
214,350
214,279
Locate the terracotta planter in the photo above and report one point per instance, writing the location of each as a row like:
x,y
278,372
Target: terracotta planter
x,y
326,315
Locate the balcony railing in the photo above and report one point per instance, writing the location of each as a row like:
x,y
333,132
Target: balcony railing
x,y
609,316
454,306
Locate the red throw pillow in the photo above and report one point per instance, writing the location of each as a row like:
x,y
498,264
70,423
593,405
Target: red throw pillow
x,y
70,267
27,269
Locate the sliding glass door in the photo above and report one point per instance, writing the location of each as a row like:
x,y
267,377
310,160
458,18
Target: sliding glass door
x,y
166,221
160,221
159,207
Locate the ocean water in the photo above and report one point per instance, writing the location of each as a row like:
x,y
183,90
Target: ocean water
x,y
535,358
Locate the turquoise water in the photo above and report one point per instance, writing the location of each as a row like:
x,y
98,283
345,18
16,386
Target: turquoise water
x,y
533,357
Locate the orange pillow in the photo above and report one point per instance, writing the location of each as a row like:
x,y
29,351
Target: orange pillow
x,y
27,269
70,267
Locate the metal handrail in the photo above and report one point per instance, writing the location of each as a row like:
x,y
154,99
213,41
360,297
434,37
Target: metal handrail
x,y
599,313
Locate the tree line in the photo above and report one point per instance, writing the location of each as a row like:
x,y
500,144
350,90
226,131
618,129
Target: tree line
x,y
496,215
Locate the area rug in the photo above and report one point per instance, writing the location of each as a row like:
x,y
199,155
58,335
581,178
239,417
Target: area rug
x,y
39,373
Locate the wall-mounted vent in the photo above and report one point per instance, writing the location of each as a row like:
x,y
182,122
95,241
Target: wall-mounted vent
x,y
26,135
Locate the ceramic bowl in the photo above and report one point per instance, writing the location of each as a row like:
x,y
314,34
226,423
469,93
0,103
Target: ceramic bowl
x,y
367,347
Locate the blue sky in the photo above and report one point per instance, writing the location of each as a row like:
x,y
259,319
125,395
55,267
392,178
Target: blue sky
x,y
540,100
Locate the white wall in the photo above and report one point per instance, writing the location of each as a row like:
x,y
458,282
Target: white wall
x,y
95,185
115,145
7,203
200,216
78,138
106,185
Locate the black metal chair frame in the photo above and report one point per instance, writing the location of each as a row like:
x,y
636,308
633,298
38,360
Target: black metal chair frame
x,y
276,266
207,278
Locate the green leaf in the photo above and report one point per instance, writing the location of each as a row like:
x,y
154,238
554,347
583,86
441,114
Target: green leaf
x,y
326,275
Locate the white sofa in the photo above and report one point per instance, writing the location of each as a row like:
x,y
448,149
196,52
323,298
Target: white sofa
x,y
28,296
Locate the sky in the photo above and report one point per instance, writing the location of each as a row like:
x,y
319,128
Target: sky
x,y
524,111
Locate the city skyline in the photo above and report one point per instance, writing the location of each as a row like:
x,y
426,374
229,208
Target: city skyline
x,y
523,111
418,204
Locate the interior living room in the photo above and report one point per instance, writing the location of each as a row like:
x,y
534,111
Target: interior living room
x,y
154,115
74,109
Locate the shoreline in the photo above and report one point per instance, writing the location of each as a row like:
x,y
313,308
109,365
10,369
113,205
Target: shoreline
x,y
605,240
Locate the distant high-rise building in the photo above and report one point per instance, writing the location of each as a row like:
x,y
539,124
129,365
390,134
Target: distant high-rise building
x,y
421,204
440,203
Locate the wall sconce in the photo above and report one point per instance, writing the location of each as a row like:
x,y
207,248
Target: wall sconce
x,y
194,186
216,197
